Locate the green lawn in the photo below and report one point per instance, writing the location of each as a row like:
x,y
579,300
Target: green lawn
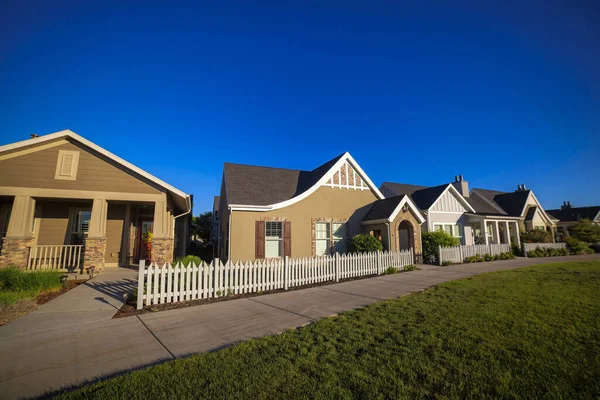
x,y
529,333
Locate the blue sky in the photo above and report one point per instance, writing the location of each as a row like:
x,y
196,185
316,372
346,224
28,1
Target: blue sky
x,y
503,93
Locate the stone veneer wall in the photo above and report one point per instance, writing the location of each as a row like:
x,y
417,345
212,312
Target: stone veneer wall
x,y
15,251
93,253
416,225
162,250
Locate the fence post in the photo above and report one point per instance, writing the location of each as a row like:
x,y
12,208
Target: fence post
x,y
217,279
440,255
460,254
378,262
524,250
286,272
337,267
412,256
140,291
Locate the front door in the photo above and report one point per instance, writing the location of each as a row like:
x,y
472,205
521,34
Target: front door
x,y
144,226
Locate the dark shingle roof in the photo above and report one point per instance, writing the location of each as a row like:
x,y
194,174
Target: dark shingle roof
x,y
423,196
530,213
512,202
261,186
482,207
216,203
575,213
384,208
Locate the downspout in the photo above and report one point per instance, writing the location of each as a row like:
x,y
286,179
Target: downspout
x,y
229,235
389,237
188,201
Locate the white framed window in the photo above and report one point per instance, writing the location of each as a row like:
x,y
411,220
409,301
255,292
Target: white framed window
x,y
79,225
450,229
540,227
489,230
330,237
273,239
66,165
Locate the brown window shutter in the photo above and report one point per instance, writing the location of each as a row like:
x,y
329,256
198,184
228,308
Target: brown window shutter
x,y
259,243
287,238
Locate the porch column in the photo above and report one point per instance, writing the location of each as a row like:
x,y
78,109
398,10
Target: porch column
x,y
497,232
507,232
483,230
162,240
518,234
95,243
19,235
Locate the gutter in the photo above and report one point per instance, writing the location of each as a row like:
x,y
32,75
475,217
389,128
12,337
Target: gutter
x,y
229,234
389,237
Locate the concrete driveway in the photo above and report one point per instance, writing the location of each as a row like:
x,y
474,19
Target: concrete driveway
x,y
72,339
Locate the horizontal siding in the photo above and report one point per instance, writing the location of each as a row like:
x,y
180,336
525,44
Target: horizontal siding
x,y
93,173
54,222
114,231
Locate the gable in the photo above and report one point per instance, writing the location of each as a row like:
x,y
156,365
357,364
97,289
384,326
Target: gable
x,y
347,177
448,202
46,167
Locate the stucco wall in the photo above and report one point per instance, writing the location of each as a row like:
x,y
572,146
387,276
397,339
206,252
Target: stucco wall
x,y
384,233
325,202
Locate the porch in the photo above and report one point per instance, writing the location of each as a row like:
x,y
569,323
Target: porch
x,y
76,233
494,231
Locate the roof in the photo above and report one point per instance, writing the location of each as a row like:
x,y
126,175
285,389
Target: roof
x,y
68,134
423,196
383,209
216,203
530,213
262,186
575,213
482,207
512,203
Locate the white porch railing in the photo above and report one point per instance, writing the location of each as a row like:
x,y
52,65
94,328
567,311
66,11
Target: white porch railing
x,y
168,284
532,246
56,257
458,254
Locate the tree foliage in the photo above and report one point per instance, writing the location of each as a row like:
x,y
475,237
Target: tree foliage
x,y
536,236
364,243
586,231
431,243
201,226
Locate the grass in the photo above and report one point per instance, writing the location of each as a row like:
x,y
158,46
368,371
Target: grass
x,y
17,285
527,333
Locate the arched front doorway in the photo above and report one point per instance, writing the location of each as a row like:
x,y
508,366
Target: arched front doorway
x,y
406,235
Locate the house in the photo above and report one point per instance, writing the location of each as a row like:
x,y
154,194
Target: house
x,y
522,204
67,202
449,207
267,212
214,223
568,216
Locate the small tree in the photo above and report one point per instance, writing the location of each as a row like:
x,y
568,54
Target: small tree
x,y
586,231
364,243
431,243
201,226
536,236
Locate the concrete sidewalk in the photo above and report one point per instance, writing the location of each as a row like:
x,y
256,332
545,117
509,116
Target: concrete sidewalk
x,y
73,339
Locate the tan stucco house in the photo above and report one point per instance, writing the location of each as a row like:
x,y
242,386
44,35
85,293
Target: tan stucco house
x,y
66,202
267,212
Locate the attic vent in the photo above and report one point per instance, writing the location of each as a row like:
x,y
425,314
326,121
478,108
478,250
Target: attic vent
x,y
66,165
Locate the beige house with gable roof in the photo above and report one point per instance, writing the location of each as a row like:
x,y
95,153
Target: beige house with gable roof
x,y
67,203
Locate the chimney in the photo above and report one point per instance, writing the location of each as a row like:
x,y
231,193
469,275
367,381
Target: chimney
x,y
33,136
566,205
461,185
521,187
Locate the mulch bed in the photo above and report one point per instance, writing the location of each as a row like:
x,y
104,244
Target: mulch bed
x,y
130,310
43,298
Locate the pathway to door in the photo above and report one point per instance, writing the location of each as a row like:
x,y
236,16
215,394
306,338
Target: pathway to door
x,y
73,339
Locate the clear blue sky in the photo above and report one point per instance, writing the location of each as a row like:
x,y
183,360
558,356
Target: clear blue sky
x,y
504,94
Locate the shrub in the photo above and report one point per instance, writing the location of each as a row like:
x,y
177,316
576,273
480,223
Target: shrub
x,y
187,260
364,243
410,267
516,250
536,236
431,243
576,246
447,263
203,251
586,231
595,247
390,271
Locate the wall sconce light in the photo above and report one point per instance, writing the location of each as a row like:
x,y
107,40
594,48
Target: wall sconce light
x,y
405,208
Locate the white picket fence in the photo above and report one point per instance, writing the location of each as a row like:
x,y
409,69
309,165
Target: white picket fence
x,y
170,284
55,257
532,246
457,254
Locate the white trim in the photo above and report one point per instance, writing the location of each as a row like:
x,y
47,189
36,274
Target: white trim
x,y
70,134
460,198
406,200
446,212
491,203
376,221
597,217
321,182
539,206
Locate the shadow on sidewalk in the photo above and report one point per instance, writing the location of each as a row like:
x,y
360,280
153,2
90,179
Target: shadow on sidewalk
x,y
114,289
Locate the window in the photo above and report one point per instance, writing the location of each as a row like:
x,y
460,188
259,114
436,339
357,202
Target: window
x,y
66,165
540,227
80,225
490,229
450,229
273,239
330,237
